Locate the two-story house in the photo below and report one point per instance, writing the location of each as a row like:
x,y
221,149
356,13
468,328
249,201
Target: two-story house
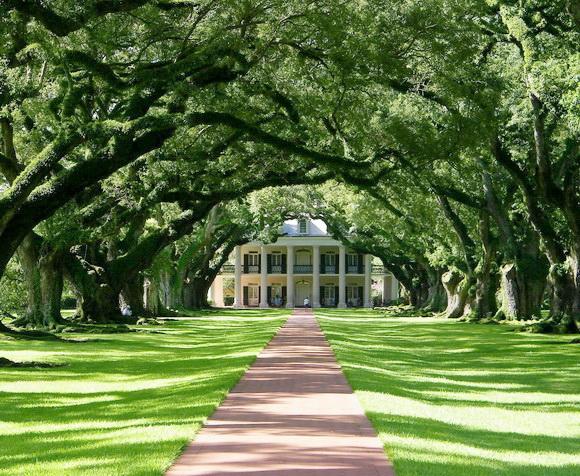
x,y
305,263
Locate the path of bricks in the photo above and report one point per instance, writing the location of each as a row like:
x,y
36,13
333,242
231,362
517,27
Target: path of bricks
x,y
292,414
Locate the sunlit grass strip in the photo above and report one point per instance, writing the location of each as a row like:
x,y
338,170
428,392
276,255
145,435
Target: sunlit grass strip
x,y
451,398
125,403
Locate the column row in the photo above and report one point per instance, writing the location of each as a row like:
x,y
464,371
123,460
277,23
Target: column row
x,y
315,301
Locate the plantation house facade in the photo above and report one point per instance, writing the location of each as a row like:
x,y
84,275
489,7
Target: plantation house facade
x,y
305,263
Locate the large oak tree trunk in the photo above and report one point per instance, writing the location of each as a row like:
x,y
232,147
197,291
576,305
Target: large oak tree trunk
x,y
43,272
575,266
195,293
412,290
51,287
170,290
408,292
152,303
436,297
100,304
484,303
29,252
563,297
522,290
98,300
132,295
457,287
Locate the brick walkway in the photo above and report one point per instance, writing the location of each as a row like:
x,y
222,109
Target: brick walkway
x,y
292,414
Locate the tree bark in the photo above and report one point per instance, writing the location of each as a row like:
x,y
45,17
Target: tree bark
x,y
575,265
436,296
152,302
560,276
29,254
98,300
51,286
195,292
522,290
43,271
170,291
484,302
456,286
562,289
132,295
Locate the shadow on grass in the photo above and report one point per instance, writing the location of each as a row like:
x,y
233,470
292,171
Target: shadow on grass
x,y
452,398
125,403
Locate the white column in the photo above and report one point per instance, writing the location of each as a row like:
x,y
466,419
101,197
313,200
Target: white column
x,y
238,298
386,288
315,276
263,277
394,288
341,276
211,293
290,277
368,282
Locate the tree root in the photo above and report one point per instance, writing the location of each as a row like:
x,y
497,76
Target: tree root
x,y
6,363
552,325
27,334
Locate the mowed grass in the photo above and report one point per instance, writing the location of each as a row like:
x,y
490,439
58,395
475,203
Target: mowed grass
x,y
124,404
450,398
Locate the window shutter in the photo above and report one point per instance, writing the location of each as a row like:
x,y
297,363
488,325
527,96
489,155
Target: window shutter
x,y
284,261
246,295
322,296
269,296
246,259
360,295
360,264
260,262
259,293
336,291
284,294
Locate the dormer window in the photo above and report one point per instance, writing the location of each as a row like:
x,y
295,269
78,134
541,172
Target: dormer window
x,y
302,227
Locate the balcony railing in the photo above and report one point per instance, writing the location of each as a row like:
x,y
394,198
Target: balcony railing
x,y
251,269
378,269
329,269
228,269
303,268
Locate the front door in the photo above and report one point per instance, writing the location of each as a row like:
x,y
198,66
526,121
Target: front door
x,y
329,299
276,295
253,295
303,291
353,296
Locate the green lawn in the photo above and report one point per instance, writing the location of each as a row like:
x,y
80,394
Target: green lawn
x,y
462,399
124,404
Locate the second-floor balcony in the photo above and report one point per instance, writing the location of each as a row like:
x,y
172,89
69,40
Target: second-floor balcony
x,y
329,269
378,269
356,269
229,268
303,269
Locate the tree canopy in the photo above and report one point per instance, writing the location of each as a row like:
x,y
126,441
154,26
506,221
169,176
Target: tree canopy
x,y
440,136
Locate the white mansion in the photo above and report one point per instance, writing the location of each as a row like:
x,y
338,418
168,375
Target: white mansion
x,y
306,262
